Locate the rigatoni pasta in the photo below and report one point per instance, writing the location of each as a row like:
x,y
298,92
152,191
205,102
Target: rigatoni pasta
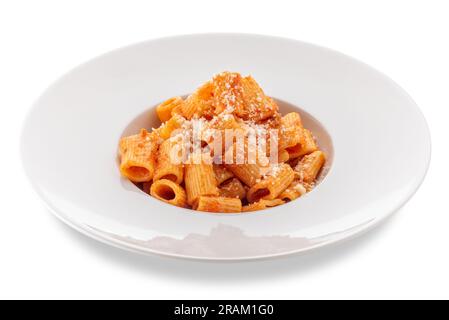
x,y
167,128
200,181
262,204
293,191
307,145
165,109
310,165
249,172
218,204
200,102
166,168
137,154
169,191
291,131
225,148
277,180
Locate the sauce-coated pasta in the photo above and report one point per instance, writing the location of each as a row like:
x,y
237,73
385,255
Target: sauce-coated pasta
x,y
225,148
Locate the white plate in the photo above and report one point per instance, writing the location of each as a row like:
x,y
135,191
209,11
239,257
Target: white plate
x,y
377,138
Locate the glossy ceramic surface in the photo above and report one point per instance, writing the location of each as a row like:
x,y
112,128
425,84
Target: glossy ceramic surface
x,y
377,138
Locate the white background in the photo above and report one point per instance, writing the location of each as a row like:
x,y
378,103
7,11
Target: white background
x,y
407,257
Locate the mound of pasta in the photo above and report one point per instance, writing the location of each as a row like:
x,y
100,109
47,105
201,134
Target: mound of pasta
x,y
225,148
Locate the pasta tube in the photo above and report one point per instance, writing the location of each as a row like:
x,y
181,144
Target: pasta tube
x,y
310,165
277,180
291,131
258,106
227,92
167,128
199,103
218,129
308,145
164,110
218,204
242,96
262,204
248,172
137,156
222,174
168,191
291,120
166,167
294,190
200,181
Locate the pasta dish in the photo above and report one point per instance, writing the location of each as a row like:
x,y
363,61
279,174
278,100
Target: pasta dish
x,y
224,148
